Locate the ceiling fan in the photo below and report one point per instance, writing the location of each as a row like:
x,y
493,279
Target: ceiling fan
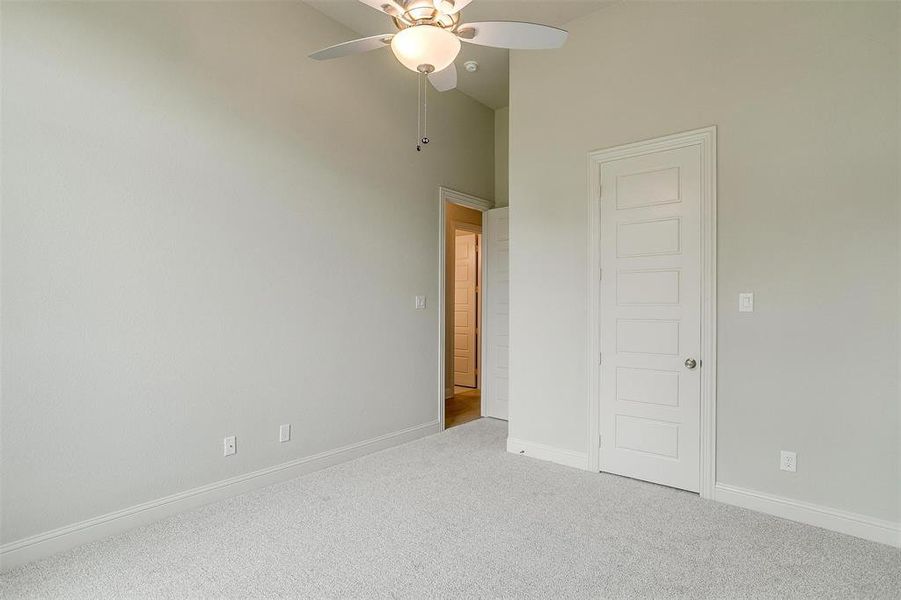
x,y
427,40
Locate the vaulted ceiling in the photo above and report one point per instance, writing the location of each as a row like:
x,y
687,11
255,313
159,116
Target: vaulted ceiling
x,y
490,84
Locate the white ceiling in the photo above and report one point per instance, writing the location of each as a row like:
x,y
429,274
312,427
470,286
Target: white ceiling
x,y
490,84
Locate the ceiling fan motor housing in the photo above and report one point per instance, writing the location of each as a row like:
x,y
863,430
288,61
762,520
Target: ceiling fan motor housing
x,y
423,12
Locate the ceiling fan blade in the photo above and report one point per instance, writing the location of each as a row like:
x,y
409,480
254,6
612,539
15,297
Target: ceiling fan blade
x,y
353,47
444,80
450,7
389,7
512,34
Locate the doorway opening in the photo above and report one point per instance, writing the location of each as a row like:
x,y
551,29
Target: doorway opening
x,y
463,295
474,309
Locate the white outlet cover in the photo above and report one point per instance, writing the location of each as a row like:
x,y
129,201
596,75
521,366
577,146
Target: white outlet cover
x,y
788,461
420,302
284,433
746,302
230,446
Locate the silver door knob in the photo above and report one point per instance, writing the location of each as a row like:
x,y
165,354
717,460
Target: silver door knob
x,y
690,363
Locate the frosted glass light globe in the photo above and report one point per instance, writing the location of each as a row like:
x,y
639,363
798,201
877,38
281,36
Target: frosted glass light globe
x,y
425,47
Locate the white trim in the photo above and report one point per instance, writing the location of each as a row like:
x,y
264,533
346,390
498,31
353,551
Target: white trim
x,y
862,526
455,197
570,458
706,139
448,196
484,382
44,544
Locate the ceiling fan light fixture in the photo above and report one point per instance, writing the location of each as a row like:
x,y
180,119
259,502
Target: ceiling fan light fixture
x,y
425,48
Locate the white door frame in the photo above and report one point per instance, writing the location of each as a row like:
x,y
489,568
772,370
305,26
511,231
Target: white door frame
x,y
448,196
706,139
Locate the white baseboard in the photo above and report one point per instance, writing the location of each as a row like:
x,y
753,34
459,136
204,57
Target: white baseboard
x,y
862,526
570,458
44,544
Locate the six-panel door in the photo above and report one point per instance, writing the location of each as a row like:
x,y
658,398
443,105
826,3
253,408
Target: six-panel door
x,y
466,264
650,317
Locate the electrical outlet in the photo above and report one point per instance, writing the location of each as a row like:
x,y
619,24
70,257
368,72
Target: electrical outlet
x,y
420,302
788,461
230,446
284,433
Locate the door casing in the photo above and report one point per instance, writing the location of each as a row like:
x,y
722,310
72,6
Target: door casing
x,y
705,138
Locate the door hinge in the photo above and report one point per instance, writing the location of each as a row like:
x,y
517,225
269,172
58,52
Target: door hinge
x,y
600,192
600,357
600,440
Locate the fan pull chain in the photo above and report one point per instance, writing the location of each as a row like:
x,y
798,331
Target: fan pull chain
x,y
422,112
418,113
425,109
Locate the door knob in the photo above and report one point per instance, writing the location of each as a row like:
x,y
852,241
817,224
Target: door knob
x,y
690,363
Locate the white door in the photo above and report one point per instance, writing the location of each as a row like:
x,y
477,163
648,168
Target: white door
x,y
650,317
466,265
496,304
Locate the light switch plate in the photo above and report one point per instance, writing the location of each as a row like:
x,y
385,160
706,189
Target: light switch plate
x,y
284,433
420,303
746,302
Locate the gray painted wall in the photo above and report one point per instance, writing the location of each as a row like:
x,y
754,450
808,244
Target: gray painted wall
x,y
806,99
205,233
501,157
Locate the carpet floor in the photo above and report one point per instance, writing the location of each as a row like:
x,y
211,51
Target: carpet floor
x,y
455,516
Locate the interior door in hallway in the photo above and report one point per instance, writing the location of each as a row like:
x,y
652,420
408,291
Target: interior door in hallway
x,y
466,314
650,317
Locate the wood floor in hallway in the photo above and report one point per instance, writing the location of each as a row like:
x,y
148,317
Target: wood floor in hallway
x,y
465,406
